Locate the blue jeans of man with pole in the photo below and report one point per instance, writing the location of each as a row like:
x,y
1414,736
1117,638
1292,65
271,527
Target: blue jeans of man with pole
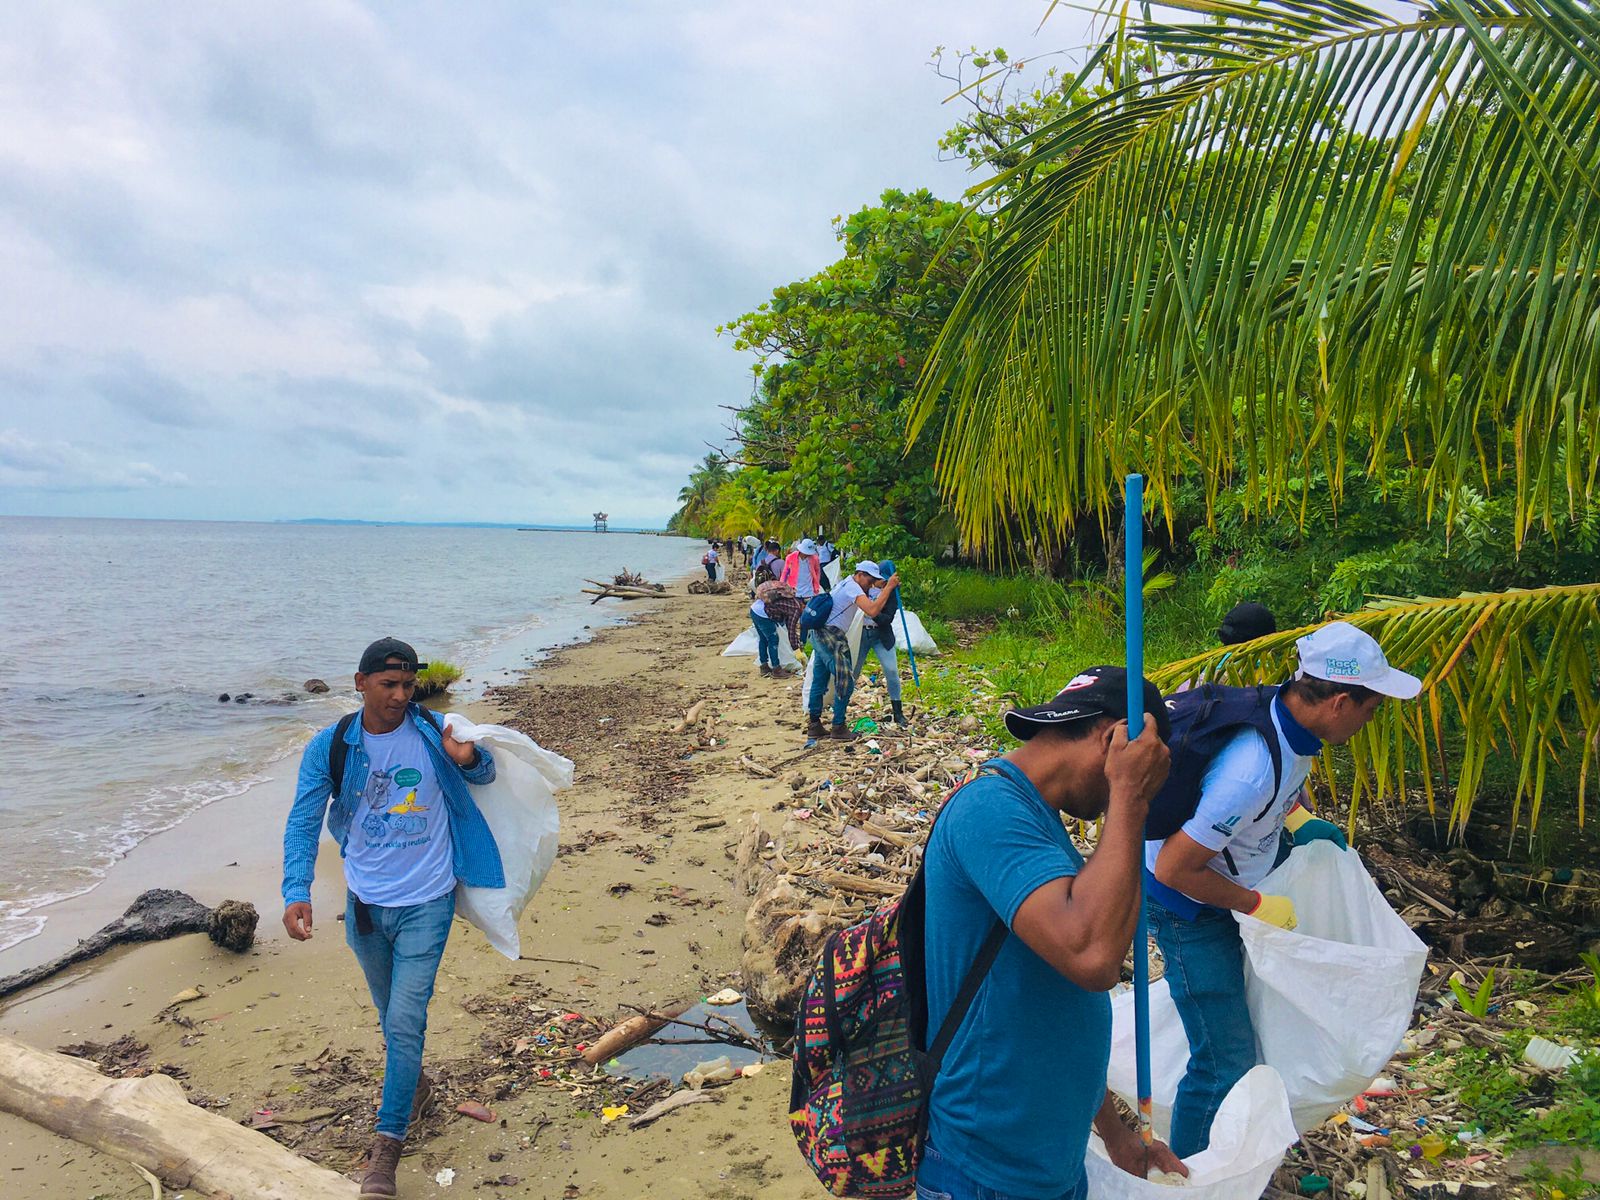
x,y
829,655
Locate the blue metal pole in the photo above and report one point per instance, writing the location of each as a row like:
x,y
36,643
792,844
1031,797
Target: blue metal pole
x,y
1133,572
910,653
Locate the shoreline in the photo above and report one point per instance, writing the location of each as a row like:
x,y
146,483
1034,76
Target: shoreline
x,y
640,909
220,844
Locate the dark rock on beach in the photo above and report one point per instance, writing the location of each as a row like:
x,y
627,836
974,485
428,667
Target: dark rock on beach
x,y
316,687
224,698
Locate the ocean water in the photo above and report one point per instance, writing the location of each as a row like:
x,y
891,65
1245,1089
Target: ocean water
x,y
118,637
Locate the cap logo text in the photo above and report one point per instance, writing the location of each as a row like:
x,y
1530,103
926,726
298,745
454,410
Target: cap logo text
x,y
1349,667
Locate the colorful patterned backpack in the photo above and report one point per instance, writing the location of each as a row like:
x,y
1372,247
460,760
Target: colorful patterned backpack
x,y
859,1101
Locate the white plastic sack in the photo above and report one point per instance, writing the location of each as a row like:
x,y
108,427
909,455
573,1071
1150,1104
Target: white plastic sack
x,y
746,645
1248,1137
921,642
520,808
1330,1001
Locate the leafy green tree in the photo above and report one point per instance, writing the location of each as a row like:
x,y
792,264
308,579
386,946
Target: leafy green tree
x,y
822,438
1319,255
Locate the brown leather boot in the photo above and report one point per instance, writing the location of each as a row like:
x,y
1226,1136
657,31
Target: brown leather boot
x,y
422,1098
377,1177
842,733
766,670
814,728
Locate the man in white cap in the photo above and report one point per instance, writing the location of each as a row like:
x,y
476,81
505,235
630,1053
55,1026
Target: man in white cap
x,y
1250,796
832,649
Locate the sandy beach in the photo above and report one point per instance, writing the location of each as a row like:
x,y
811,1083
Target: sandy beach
x,y
640,909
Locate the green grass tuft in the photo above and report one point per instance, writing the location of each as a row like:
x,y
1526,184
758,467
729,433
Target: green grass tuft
x,y
436,678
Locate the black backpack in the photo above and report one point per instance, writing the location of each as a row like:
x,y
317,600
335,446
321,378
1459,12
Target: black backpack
x,y
1204,720
339,751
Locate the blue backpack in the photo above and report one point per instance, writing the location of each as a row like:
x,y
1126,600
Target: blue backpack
x,y
1204,720
818,609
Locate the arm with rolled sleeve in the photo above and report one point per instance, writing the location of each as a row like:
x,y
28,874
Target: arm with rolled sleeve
x,y
304,827
481,771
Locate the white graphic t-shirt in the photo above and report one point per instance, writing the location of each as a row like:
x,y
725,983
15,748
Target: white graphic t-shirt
x,y
398,851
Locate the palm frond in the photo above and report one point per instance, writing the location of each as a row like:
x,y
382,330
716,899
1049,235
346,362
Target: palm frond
x,y
1514,672
1328,226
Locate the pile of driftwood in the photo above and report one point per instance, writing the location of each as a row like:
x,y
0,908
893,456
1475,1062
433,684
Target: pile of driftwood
x,y
624,585
705,587
837,846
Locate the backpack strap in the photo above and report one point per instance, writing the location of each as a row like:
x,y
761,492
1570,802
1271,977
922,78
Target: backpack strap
x,y
339,751
976,974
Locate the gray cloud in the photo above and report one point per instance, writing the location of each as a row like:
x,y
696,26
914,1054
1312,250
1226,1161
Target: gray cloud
x,y
263,261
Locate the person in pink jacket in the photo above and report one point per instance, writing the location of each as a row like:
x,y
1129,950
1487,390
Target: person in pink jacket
x,y
802,571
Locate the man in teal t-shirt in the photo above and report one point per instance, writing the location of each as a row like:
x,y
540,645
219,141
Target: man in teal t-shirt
x,y
1025,1077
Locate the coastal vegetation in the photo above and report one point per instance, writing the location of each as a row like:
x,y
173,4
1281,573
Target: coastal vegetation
x,y
1327,276
435,679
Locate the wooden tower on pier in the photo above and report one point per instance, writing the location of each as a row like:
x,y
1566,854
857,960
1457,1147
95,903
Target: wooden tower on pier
x,y
600,522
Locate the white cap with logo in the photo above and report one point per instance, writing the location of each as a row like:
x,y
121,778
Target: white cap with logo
x,y
1341,653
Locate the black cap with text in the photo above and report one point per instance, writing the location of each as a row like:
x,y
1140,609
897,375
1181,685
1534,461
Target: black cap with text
x,y
1097,692
377,657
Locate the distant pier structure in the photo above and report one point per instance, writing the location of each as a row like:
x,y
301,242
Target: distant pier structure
x,y
600,520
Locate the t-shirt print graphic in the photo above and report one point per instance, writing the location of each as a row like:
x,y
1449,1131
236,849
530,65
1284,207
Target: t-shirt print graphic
x,y
402,820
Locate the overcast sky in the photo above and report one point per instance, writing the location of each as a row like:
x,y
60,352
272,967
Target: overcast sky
x,y
454,261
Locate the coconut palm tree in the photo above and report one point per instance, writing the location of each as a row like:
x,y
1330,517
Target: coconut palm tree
x,y
1310,235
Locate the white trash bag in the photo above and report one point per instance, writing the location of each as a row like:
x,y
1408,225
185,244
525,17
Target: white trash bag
x,y
520,807
920,640
1330,1000
746,646
1248,1137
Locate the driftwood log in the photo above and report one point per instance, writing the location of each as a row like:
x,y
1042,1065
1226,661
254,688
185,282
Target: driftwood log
x,y
147,1122
156,914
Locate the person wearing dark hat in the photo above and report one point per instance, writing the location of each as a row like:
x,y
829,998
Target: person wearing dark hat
x,y
408,832
1245,622
1024,1079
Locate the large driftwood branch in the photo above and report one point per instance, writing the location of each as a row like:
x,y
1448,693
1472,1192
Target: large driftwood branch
x,y
156,914
148,1123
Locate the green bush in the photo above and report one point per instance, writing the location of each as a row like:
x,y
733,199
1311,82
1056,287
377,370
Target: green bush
x,y
436,678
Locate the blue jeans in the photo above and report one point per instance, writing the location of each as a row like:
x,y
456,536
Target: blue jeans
x,y
820,674
886,660
400,958
1205,970
766,639
940,1179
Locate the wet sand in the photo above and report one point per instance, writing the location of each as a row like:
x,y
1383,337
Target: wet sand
x,y
641,904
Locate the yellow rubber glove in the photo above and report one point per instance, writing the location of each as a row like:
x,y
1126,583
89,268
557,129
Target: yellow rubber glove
x,y
1274,910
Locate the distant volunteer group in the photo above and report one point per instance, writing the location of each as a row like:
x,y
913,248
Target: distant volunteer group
x,y
794,594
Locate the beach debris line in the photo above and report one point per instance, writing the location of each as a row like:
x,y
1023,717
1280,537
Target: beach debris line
x,y
156,914
624,585
148,1122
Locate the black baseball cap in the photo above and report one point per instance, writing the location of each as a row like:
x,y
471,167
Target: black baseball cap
x,y
1097,692
376,657
1245,622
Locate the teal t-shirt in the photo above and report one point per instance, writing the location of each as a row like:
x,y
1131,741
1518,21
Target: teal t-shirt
x,y
1026,1073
